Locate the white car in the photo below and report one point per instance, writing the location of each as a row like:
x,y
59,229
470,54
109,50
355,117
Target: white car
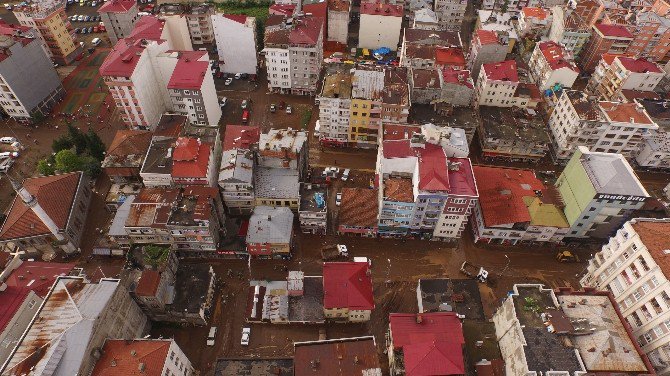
x,y
80,18
211,336
8,140
223,101
246,335
345,175
228,81
338,199
9,154
238,76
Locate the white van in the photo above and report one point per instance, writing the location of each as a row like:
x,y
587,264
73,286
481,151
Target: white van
x,y
211,336
96,41
8,140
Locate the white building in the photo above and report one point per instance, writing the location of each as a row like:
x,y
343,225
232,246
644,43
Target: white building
x,y
338,20
451,13
633,266
616,73
236,180
236,43
568,29
334,108
496,84
148,356
550,65
425,19
380,25
533,21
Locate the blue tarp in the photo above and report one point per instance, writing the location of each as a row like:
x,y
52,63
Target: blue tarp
x,y
318,198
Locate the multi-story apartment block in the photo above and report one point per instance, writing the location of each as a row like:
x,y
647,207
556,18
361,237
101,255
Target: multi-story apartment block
x,y
550,66
335,106
339,13
313,210
486,47
270,233
179,161
358,212
574,121
560,334
190,220
347,291
457,87
380,25
151,356
119,18
569,30
22,63
515,206
71,324
615,73
366,106
294,54
652,36
236,180
395,97
147,77
48,214
628,123
605,39
533,22
590,11
48,19
512,133
196,18
284,148
654,151
428,49
500,22
632,267
498,84
125,156
599,191
450,13
425,19
426,85
236,43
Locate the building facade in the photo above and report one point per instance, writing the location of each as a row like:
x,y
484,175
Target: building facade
x,y
236,42
550,66
119,18
380,25
605,39
616,73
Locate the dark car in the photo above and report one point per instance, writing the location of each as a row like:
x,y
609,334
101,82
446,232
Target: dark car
x,y
90,30
77,31
244,76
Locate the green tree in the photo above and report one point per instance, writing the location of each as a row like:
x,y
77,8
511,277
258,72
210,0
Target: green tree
x,y
61,143
67,161
90,166
96,148
77,138
45,167
155,255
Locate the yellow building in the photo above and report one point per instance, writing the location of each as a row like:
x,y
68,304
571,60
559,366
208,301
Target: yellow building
x,y
364,122
55,31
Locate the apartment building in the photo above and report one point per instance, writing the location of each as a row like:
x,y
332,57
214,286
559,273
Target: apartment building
x,y
632,267
347,291
52,27
512,133
75,319
358,211
605,39
533,22
450,13
270,233
550,66
236,43
395,97
560,333
652,36
426,85
335,106
615,73
654,151
365,115
425,19
569,29
294,54
179,161
119,18
486,47
516,207
423,49
457,87
350,356
600,192
190,220
48,214
284,148
236,180
628,123
200,21
380,25
22,63
313,210
575,121
153,357
500,22
125,156
339,13
146,77
497,84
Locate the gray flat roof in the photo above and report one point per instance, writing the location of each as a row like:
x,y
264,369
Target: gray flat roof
x,y
279,183
275,230
611,174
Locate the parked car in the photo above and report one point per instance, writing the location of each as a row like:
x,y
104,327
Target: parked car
x,y
8,140
338,199
289,109
223,102
245,116
9,154
72,18
228,81
80,18
94,4
246,335
90,30
84,30
245,104
77,30
345,175
96,41
8,6
273,107
244,76
87,18
211,336
95,29
238,76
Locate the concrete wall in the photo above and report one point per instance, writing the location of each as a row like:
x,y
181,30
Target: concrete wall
x,y
119,25
378,31
338,26
236,44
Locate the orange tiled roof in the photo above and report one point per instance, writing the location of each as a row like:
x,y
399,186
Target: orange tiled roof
x,y
118,359
655,237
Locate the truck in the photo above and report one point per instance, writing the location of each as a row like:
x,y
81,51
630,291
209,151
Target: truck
x,y
334,252
474,271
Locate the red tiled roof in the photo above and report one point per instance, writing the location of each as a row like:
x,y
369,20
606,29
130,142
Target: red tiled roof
x,y
654,235
433,173
13,31
54,193
24,279
502,71
239,18
190,158
450,56
397,132
122,59
282,9
189,73
631,95
460,77
501,192
240,136
462,180
554,55
117,6
148,283
618,31
359,207
307,31
117,357
487,37
398,149
381,9
347,285
538,13
148,27
432,343
624,112
639,65
127,141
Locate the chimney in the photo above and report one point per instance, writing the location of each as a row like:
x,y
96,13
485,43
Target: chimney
x,y
419,319
269,218
355,359
133,353
141,367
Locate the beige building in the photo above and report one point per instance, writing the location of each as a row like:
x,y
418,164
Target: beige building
x,y
633,266
615,73
380,25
